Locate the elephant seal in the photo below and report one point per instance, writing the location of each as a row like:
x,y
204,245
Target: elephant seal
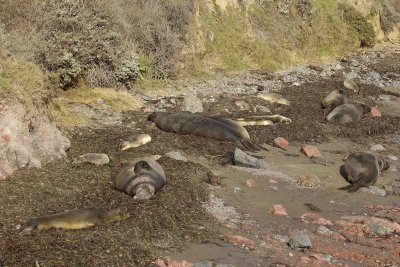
x,y
362,169
75,219
194,124
348,113
136,141
334,99
263,120
141,179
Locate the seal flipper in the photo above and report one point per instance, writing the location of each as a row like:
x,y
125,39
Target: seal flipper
x,y
347,187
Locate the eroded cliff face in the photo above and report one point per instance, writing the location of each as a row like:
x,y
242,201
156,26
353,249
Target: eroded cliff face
x,y
27,137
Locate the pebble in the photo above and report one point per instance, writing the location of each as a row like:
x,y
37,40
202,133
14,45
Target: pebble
x,y
250,183
374,190
296,84
278,210
300,242
236,189
310,151
377,147
192,104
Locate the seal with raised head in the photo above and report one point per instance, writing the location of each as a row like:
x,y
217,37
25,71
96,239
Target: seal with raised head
x,y
348,113
141,179
75,219
361,169
135,141
333,100
194,124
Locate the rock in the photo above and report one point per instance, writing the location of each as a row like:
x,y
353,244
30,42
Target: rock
x,y
350,84
374,75
384,98
100,101
278,210
94,158
250,183
241,158
325,231
300,242
236,189
239,240
281,142
377,147
374,190
378,228
283,238
242,105
176,155
392,157
225,265
296,84
260,88
375,112
182,263
274,98
147,110
310,151
393,168
160,263
192,104
309,181
205,263
261,109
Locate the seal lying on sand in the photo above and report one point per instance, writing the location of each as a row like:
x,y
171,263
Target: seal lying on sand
x,y
135,141
348,113
141,179
194,124
76,219
334,99
362,169
263,120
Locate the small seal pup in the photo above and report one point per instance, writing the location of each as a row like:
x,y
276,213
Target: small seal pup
x,y
361,169
263,120
334,99
75,219
348,113
141,179
136,141
194,124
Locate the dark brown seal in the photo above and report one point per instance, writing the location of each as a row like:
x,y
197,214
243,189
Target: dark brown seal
x,y
141,179
194,124
362,169
76,219
348,113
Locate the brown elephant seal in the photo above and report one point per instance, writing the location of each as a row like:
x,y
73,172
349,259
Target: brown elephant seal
x,y
141,179
348,113
75,219
194,124
334,99
362,169
136,141
263,120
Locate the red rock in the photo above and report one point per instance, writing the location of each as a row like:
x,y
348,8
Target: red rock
x,y
250,183
310,151
281,142
6,138
182,263
237,240
375,112
278,210
147,110
160,263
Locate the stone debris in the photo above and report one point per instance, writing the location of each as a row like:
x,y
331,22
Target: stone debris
x,y
310,151
192,103
278,210
309,181
300,242
281,142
